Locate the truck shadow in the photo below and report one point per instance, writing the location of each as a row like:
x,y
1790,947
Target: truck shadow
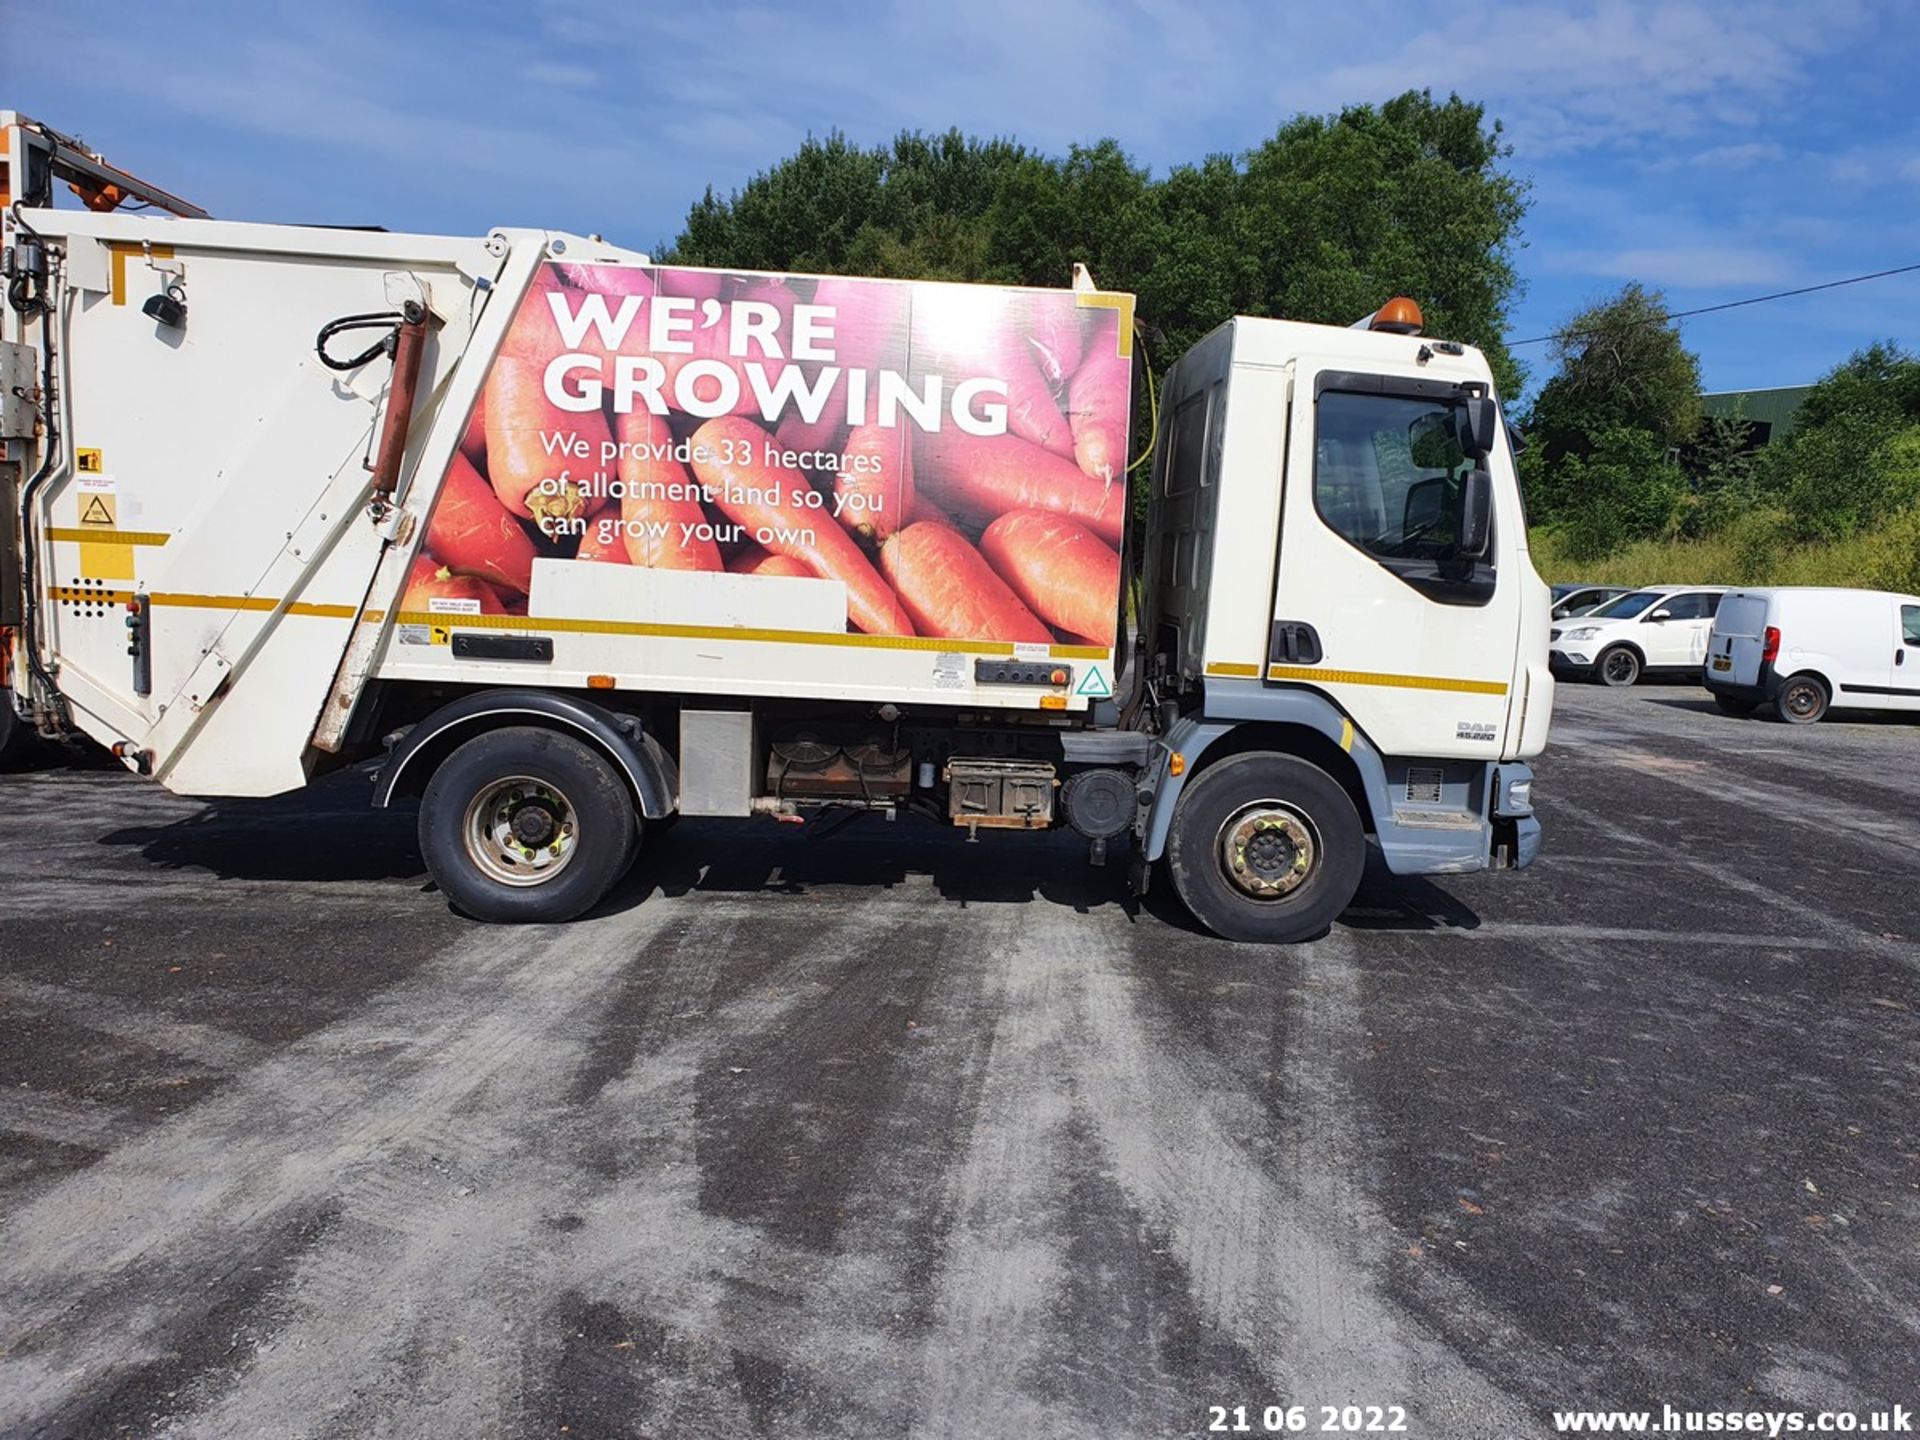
x,y
328,833
1706,705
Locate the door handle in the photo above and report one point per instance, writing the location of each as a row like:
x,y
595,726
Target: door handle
x,y
1900,656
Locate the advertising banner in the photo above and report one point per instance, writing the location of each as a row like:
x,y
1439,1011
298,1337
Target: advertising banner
x,y
943,461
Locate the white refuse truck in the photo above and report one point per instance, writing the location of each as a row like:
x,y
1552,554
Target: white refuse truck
x,y
566,543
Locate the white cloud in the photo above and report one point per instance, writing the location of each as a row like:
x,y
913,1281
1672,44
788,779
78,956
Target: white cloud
x,y
1738,157
1616,73
1677,266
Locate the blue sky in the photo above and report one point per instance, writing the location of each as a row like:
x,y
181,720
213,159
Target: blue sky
x,y
1713,148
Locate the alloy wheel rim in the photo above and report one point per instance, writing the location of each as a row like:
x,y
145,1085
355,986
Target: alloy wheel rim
x,y
521,831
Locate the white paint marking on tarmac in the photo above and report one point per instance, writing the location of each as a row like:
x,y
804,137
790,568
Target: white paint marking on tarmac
x,y
1529,930
129,1020
196,1198
1844,934
65,1120
1287,1259
1006,1250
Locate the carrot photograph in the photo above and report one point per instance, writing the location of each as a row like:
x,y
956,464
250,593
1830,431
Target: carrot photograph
x,y
1097,399
473,440
429,580
781,510
949,589
875,499
960,333
1057,337
1060,569
981,477
524,431
659,509
603,543
758,560
473,534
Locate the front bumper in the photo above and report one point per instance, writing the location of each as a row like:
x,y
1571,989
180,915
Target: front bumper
x,y
1575,662
1516,829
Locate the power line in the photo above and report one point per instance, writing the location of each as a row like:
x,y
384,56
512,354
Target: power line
x,y
1727,305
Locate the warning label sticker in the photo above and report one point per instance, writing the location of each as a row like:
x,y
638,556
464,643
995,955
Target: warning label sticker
x,y
1095,683
89,462
100,510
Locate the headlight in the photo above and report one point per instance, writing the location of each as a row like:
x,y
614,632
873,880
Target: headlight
x,y
1520,795
1585,632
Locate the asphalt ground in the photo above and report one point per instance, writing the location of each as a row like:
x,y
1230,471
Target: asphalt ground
x,y
877,1133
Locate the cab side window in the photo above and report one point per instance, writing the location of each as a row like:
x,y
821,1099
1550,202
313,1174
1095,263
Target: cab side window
x,y
1910,624
1388,471
1686,607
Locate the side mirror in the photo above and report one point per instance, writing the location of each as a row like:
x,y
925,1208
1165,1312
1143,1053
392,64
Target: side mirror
x,y
1476,514
1480,425
1661,615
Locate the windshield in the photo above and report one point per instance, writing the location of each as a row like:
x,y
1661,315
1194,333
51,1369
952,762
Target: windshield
x,y
1624,608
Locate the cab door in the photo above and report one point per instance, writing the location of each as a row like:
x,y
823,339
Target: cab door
x,y
1374,602
1903,681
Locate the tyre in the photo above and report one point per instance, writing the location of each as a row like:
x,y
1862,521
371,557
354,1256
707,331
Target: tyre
x,y
1265,847
12,740
1734,705
1619,666
526,825
1802,700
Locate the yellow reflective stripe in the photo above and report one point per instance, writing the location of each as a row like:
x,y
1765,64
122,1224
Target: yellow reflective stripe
x,y
579,627
1346,733
656,630
1322,676
100,535
1233,668
1117,300
199,602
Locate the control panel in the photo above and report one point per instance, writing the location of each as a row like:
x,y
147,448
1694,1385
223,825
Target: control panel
x,y
1020,672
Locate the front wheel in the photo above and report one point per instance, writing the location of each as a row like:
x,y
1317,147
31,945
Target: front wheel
x,y
1266,847
1802,700
1617,667
528,825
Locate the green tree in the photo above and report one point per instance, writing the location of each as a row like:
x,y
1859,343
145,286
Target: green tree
x,y
1618,363
1720,465
1624,486
1854,456
1323,221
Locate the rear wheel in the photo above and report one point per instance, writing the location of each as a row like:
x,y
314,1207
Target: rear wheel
x,y
1266,848
1802,700
1734,705
1618,666
524,824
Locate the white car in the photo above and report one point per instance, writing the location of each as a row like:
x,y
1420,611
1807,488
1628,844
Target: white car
x,y
1655,629
1806,650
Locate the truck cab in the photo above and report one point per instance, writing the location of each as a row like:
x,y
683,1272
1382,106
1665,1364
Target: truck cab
x,y
1337,584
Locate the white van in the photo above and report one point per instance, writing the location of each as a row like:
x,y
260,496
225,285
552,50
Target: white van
x,y
1806,650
